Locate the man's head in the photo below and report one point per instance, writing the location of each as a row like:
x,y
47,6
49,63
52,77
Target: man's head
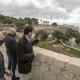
x,y
12,31
28,31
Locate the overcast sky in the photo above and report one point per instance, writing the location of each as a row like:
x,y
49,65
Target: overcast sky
x,y
58,10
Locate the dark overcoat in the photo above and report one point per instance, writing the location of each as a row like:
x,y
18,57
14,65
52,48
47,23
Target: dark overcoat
x,y
25,55
11,45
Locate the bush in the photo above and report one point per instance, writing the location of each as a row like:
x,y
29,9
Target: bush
x,y
17,37
59,35
54,24
41,34
5,33
78,40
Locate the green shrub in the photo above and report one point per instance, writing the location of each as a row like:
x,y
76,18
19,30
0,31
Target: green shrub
x,y
41,34
59,35
17,37
5,33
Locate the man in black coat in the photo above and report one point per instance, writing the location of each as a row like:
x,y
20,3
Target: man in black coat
x,y
25,52
11,45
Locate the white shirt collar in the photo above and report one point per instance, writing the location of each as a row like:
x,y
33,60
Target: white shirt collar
x,y
29,39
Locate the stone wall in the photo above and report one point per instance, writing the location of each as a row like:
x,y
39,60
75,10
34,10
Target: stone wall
x,y
49,65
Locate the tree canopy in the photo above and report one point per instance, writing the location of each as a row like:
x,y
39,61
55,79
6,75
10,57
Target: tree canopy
x,y
20,23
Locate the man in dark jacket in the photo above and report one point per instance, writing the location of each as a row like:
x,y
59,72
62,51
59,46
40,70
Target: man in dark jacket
x,y
11,44
25,53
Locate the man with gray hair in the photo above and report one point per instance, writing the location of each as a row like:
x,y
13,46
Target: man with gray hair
x,y
11,44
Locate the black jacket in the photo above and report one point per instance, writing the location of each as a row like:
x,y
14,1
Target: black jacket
x,y
25,55
11,45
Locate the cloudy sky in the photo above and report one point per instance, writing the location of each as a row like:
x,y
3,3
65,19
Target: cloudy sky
x,y
64,11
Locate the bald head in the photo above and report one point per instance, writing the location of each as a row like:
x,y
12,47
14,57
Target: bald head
x,y
12,31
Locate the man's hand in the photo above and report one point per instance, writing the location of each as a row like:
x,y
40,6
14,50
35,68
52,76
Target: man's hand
x,y
8,73
36,40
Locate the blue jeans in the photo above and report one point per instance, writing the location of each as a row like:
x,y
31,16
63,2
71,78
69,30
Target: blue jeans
x,y
2,78
12,64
